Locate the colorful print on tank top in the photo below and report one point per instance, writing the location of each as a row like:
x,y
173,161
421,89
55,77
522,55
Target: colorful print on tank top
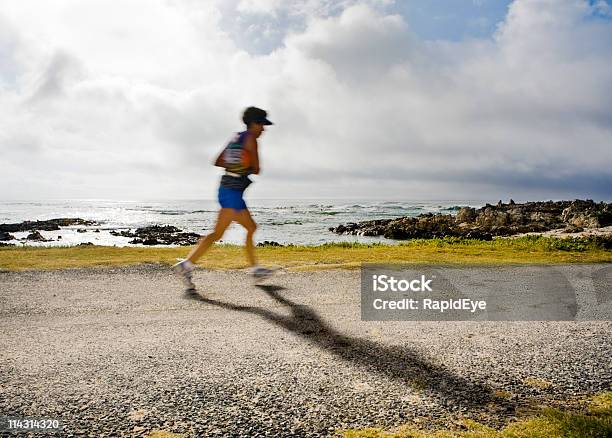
x,y
235,158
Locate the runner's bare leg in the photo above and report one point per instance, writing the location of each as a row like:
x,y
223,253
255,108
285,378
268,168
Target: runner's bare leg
x,y
245,219
224,219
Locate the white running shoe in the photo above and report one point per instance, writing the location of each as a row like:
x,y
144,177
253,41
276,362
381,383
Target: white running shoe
x,y
259,273
184,269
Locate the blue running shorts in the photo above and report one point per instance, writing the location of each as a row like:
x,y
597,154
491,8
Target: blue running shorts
x,y
231,198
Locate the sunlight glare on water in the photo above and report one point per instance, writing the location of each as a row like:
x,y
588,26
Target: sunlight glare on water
x,y
302,222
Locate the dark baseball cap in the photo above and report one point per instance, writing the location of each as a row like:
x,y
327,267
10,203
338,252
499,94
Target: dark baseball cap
x,y
255,115
263,121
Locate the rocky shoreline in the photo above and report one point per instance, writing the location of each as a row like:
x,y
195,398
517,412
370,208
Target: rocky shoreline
x,y
578,218
150,235
159,235
48,225
490,221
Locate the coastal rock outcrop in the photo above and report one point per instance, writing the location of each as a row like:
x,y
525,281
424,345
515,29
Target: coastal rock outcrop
x,y
489,221
160,235
37,237
269,243
6,236
46,225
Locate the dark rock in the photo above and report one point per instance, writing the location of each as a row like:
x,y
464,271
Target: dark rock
x,y
37,237
348,228
6,244
146,241
81,230
466,214
6,236
502,230
46,225
573,229
587,214
157,229
491,217
269,243
489,221
85,244
516,216
159,235
477,234
122,233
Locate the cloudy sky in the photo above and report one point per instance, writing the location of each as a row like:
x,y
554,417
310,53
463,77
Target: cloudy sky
x,y
414,99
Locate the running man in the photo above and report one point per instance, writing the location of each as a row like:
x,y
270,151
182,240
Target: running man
x,y
240,158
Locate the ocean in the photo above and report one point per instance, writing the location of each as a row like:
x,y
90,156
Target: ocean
x,y
302,222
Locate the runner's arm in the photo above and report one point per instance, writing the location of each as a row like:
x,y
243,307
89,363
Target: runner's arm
x,y
219,161
251,146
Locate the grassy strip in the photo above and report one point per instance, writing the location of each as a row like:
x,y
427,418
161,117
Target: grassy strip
x,y
595,421
527,249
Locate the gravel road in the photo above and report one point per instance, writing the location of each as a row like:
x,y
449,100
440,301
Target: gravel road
x,y
123,351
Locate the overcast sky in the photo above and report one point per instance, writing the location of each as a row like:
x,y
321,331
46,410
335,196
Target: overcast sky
x,y
415,99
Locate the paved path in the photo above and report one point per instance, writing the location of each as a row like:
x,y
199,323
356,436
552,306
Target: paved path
x,y
124,351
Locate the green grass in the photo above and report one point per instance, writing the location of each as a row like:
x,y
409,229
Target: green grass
x,y
529,249
594,421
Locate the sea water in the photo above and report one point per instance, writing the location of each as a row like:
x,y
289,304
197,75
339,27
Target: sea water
x,y
302,222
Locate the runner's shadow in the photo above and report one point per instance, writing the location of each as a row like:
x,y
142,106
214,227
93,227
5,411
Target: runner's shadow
x,y
397,362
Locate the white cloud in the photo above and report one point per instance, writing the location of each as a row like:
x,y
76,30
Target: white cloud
x,y
305,8
266,7
357,42
136,101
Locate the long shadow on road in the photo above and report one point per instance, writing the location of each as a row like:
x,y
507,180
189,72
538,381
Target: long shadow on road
x,y
399,363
